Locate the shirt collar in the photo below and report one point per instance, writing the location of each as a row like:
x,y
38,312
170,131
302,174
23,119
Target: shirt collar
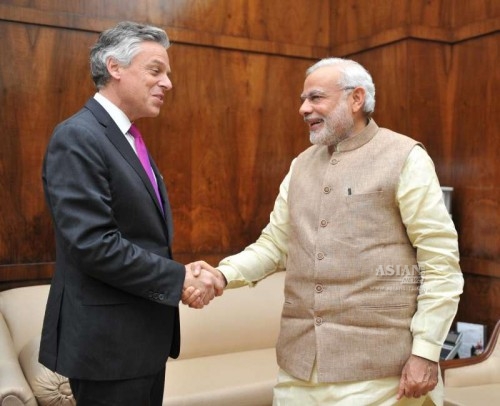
x,y
118,116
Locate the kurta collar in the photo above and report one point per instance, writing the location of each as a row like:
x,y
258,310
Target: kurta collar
x,y
358,140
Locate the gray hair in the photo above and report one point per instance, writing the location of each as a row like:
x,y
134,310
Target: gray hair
x,y
352,74
122,44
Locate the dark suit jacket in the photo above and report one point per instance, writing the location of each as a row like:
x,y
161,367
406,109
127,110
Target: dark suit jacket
x,y
112,311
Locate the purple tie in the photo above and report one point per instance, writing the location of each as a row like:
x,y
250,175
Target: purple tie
x,y
142,153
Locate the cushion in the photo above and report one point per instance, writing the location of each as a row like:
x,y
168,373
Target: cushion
x,y
49,387
480,395
243,378
23,310
14,390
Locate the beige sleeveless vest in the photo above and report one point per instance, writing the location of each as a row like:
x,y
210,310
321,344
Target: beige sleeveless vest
x,y
352,278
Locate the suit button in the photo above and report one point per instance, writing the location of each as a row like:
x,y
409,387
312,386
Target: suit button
x,y
318,321
319,288
150,294
320,255
327,189
334,161
161,296
155,296
323,223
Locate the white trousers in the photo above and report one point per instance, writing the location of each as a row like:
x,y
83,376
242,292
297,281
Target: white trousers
x,y
290,391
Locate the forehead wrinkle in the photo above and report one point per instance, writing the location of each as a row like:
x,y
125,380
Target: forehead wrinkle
x,y
157,61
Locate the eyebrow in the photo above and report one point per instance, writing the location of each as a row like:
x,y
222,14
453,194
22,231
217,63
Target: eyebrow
x,y
315,92
159,62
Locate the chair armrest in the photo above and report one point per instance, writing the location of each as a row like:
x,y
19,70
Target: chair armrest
x,y
49,387
473,365
13,384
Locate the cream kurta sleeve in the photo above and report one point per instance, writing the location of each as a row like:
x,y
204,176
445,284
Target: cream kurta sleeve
x,y
268,254
432,232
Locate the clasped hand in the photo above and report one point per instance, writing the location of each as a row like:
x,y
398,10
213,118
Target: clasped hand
x,y
203,282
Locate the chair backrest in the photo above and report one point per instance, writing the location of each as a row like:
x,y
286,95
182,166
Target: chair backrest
x,y
23,310
241,319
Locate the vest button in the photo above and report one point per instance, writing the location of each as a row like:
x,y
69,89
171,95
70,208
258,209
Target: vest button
x,y
323,223
334,161
327,189
320,255
318,321
319,288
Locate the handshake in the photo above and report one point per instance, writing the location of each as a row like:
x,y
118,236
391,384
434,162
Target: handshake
x,y
203,282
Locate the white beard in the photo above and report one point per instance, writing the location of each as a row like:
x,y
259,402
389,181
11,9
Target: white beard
x,y
337,126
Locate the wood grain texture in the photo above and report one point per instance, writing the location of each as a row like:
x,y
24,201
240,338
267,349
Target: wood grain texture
x,y
476,175
304,23
257,25
228,132
224,140
361,25
41,84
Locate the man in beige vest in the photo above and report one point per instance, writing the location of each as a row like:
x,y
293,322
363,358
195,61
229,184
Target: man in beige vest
x,y
370,252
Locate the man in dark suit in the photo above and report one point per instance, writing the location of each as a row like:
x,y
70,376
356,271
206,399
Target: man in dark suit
x,y
112,316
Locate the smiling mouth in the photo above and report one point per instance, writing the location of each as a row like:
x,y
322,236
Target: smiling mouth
x,y
159,97
313,123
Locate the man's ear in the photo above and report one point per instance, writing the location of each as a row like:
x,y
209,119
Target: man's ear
x,y
114,68
358,99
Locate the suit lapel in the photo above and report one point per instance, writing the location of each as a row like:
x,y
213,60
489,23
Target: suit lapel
x,y
121,144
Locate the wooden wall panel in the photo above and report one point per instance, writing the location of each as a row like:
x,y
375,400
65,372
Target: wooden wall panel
x,y
359,20
360,25
431,77
225,152
468,14
224,139
412,95
453,16
43,79
476,175
257,25
476,170
388,68
255,19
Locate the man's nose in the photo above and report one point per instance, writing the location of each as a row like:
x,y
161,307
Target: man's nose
x,y
166,83
305,108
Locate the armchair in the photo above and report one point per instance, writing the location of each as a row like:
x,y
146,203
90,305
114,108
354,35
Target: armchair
x,y
474,381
